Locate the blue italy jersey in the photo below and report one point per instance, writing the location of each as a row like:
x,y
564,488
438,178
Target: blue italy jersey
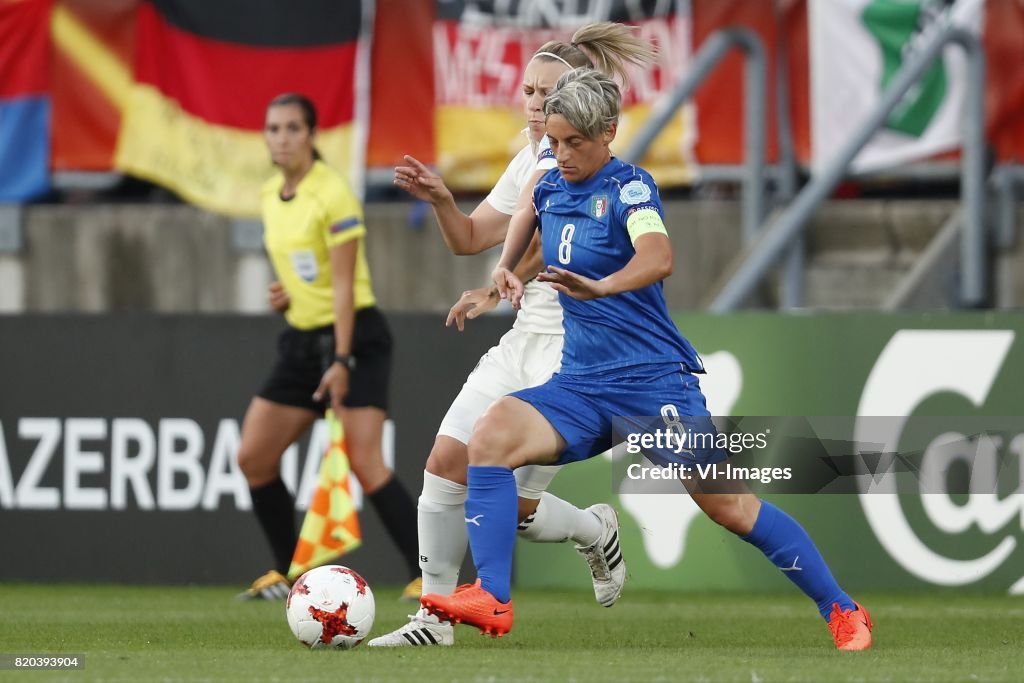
x,y
583,230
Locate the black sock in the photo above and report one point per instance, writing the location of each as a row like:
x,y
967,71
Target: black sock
x,y
396,509
275,510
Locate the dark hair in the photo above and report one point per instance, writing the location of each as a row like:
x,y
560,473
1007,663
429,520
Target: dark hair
x,y
307,108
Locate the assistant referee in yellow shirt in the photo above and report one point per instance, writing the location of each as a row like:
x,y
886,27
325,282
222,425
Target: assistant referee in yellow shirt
x,y
336,348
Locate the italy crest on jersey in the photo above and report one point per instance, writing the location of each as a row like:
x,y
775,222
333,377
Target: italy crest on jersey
x,y
599,206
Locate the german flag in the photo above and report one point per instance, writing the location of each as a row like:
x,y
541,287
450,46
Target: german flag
x,y
24,99
204,73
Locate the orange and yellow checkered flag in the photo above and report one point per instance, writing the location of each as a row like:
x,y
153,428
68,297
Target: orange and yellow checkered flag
x,y
331,527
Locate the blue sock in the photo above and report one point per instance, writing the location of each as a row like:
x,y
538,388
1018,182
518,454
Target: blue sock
x,y
491,518
785,543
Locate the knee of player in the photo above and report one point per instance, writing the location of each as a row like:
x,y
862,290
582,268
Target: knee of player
x,y
448,460
493,441
728,512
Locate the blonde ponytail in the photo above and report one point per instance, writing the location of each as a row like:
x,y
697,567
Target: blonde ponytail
x,y
612,46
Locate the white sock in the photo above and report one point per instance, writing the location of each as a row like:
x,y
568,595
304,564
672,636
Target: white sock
x,y
441,522
556,520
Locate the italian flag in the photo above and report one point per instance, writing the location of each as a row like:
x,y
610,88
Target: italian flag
x,y
857,48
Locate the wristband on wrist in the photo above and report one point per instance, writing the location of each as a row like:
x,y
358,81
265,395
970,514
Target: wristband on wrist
x,y
345,360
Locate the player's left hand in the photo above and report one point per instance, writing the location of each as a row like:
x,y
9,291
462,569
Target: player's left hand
x,y
509,285
421,182
571,284
334,384
472,304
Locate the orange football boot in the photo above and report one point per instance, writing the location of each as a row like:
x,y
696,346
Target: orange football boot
x,y
851,629
471,604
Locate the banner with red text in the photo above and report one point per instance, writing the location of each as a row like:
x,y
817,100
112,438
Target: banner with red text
x,y
481,50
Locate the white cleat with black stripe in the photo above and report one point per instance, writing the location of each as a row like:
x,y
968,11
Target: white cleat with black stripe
x,y
607,566
423,629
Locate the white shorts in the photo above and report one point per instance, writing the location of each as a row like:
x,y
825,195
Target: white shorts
x,y
520,360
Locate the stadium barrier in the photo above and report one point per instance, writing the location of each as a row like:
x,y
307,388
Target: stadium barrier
x,y
964,368
117,437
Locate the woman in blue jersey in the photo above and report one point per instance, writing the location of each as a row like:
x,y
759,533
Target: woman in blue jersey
x,y
525,356
607,250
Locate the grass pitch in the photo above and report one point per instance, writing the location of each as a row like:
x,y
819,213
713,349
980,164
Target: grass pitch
x,y
145,633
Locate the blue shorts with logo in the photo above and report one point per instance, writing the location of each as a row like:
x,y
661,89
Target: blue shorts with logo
x,y
582,409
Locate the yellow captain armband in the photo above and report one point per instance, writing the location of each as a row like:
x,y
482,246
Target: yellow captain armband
x,y
643,221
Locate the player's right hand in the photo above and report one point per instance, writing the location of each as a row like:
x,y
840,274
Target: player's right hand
x,y
509,285
421,182
278,298
472,304
333,387
574,285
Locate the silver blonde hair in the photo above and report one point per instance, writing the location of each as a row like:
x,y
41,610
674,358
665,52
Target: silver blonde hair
x,y
589,101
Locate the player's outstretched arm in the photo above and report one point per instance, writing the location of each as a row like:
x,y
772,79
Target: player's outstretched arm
x,y
651,263
532,262
475,302
472,303
520,231
464,235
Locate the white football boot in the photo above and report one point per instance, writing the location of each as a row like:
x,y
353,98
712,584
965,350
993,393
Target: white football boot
x,y
423,629
607,566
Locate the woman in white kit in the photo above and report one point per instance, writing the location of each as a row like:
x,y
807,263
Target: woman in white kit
x,y
525,356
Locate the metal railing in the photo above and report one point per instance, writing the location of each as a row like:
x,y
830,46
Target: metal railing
x,y
1005,179
791,285
761,255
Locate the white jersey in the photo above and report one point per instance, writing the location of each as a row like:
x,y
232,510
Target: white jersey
x,y
540,311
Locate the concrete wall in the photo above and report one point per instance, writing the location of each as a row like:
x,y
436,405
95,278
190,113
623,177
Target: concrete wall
x,y
179,259
127,258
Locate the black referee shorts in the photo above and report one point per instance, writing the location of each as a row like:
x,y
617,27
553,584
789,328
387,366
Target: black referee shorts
x,y
304,355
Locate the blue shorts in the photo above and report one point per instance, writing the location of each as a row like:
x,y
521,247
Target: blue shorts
x,y
582,407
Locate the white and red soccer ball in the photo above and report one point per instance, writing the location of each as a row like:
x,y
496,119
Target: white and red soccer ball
x,y
330,606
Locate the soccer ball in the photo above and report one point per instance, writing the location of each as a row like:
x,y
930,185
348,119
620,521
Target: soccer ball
x,y
330,606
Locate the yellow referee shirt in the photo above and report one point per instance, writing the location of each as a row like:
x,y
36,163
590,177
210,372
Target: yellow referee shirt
x,y
298,233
